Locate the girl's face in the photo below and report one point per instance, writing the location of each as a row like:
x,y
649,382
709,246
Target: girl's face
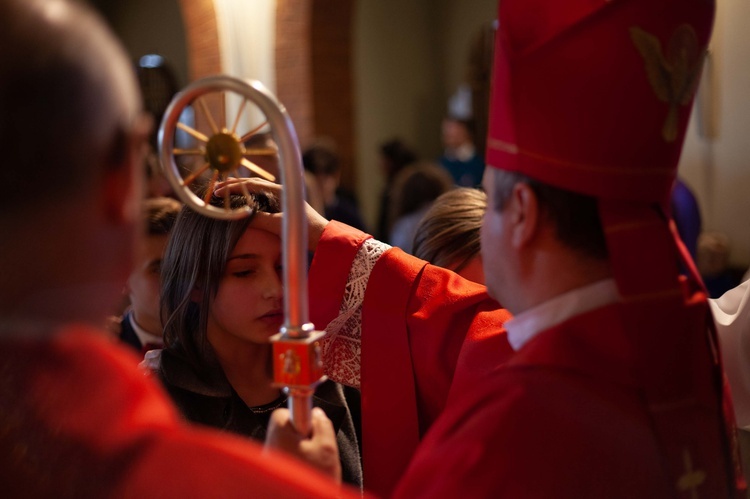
x,y
248,306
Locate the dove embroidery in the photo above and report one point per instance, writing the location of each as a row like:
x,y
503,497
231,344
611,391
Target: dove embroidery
x,y
674,77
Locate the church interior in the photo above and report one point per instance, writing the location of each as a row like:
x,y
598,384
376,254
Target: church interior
x,y
375,248
363,72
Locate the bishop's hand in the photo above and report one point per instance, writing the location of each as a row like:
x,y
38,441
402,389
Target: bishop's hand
x,y
271,222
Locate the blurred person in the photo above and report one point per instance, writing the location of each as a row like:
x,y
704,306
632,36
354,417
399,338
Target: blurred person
x,y
78,419
313,195
449,233
140,327
158,84
460,157
322,160
394,155
414,189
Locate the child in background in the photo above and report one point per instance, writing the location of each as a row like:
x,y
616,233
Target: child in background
x,y
141,327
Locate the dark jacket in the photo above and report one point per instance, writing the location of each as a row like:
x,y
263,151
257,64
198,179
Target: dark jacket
x,y
210,400
127,334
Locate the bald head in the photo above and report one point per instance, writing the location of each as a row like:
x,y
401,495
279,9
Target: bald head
x,y
70,136
68,98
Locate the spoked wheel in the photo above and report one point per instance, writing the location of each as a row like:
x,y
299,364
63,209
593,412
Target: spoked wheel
x,y
229,114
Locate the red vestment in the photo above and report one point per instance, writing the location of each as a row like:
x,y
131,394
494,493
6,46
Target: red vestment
x,y
425,332
566,417
625,400
79,420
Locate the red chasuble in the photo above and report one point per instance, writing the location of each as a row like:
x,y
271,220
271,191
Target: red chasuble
x,y
79,420
425,332
567,418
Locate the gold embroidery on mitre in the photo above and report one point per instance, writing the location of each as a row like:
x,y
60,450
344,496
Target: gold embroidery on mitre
x,y
507,147
692,479
503,146
674,77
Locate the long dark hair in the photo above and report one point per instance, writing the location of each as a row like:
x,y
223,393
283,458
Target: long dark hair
x,y
194,261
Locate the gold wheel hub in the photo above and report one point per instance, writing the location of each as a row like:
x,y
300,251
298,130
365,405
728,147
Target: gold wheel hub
x,y
224,152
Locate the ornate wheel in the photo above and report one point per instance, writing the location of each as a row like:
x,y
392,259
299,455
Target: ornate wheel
x,y
218,149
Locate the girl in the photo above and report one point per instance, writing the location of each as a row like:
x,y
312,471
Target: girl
x,y
221,301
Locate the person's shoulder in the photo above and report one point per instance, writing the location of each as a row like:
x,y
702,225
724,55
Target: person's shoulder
x,y
528,398
495,421
543,431
505,393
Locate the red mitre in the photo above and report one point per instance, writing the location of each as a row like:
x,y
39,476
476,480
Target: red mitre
x,y
594,96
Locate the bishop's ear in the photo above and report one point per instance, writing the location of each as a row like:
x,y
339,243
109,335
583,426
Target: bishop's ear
x,y
523,210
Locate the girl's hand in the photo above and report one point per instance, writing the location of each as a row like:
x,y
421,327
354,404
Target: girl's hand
x,y
318,450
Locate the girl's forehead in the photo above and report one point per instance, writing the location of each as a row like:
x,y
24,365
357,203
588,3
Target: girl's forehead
x,y
258,242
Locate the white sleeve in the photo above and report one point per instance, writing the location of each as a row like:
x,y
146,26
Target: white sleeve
x,y
342,342
732,316
151,362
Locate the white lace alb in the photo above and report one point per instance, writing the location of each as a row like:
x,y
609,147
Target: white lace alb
x,y
342,343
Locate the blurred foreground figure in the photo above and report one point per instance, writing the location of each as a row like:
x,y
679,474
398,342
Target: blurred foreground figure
x,y
77,418
615,389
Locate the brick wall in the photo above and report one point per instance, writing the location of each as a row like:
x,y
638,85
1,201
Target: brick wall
x,y
309,34
314,73
333,99
294,65
204,55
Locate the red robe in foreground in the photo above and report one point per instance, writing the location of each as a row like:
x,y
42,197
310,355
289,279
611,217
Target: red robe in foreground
x,y
425,332
78,420
566,418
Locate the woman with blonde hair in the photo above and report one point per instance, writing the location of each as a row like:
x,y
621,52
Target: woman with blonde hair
x,y
448,234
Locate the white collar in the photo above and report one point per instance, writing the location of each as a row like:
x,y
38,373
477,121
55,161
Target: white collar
x,y
144,336
524,326
730,305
